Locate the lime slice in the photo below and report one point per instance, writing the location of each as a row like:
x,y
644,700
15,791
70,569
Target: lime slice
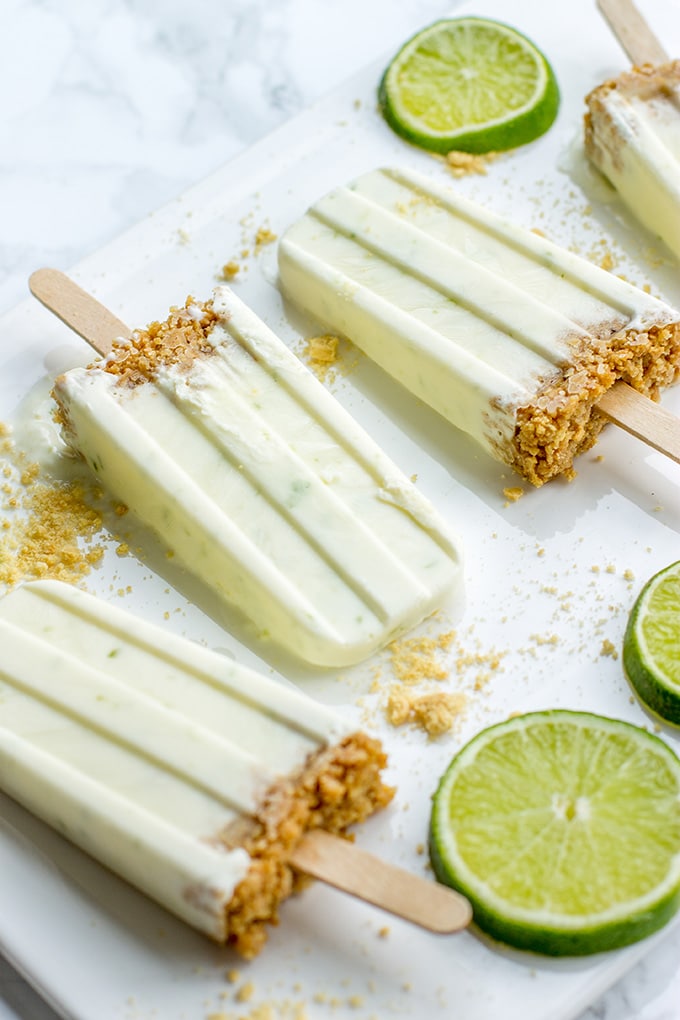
x,y
563,830
469,84
651,644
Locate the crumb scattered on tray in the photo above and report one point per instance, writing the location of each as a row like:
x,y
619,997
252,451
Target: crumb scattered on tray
x,y
435,712
253,240
608,648
263,237
280,1010
245,992
463,163
230,270
328,356
413,662
429,681
49,528
513,492
321,353
415,659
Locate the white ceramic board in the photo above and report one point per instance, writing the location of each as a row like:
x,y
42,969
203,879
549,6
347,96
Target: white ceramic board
x,y
549,580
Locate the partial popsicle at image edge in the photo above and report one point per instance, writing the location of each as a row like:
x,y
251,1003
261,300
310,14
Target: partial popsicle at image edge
x,y
525,346
214,434
632,126
211,788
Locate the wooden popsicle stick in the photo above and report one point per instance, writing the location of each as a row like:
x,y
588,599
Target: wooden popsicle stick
x,y
643,418
345,866
78,309
632,31
621,404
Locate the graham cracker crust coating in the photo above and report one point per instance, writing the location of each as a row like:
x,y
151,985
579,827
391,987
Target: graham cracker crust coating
x,y
564,421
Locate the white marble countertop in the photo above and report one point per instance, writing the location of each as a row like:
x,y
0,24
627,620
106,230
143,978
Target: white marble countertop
x,y
108,110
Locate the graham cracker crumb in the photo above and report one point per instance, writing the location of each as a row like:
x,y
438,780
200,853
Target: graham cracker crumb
x,y
608,648
178,340
49,527
463,163
513,493
416,659
421,661
435,713
245,992
329,356
263,237
321,353
230,270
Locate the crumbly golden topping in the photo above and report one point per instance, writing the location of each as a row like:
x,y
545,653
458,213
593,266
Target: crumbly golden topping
x,y
644,81
564,421
178,340
338,787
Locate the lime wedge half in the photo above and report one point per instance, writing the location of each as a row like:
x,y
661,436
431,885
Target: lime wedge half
x,y
469,84
563,830
651,644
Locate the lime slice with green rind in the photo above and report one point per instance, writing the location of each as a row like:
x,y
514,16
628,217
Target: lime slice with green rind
x,y
469,84
563,830
651,644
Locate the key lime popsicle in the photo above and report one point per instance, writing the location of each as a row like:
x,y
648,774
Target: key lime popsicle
x,y
632,135
262,485
186,774
508,336
632,125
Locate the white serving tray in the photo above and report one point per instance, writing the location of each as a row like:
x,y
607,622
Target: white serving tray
x,y
548,582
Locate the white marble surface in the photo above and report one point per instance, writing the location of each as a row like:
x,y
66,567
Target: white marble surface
x,y
108,109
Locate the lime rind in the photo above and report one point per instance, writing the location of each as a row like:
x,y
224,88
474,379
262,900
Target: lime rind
x,y
543,930
510,129
656,609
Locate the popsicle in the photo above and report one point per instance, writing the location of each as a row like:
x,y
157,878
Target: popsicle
x,y
206,785
513,339
222,442
632,126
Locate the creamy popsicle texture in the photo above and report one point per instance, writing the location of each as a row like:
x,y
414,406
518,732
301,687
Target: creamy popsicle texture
x,y
254,476
508,336
632,135
189,776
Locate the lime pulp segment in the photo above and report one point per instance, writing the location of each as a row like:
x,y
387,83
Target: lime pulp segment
x,y
563,830
471,84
